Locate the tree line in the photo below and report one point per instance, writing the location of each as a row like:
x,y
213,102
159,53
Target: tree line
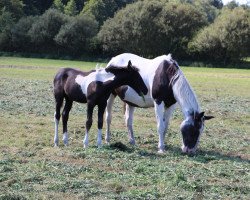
x,y
203,30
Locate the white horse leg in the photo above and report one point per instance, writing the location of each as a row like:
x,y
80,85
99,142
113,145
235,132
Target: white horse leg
x,y
65,138
159,112
99,138
110,103
167,116
86,140
129,123
89,121
56,138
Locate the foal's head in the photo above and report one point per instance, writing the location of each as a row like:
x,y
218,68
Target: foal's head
x,y
191,130
129,75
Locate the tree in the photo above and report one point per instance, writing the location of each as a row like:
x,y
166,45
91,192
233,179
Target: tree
x,y
151,28
44,29
6,22
20,37
57,4
226,40
15,7
70,8
76,35
103,9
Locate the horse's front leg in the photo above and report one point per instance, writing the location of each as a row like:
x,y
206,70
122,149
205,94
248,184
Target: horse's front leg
x,y
159,113
89,122
110,103
167,115
101,109
129,113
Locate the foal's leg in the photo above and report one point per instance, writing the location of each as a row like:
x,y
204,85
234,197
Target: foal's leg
x,y
89,121
65,117
101,109
129,113
110,103
159,112
59,102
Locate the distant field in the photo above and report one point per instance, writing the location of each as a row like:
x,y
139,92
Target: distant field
x,y
30,168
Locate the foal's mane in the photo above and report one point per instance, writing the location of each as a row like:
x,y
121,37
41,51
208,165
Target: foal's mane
x,y
183,92
111,68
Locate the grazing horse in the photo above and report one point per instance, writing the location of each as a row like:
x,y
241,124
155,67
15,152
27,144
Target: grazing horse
x,y
166,85
93,88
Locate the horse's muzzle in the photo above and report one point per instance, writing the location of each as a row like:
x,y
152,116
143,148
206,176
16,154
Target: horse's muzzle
x,y
187,150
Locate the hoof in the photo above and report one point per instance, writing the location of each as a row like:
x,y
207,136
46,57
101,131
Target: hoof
x,y
132,142
160,151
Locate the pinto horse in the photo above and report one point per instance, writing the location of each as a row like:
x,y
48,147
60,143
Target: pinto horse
x,y
93,88
166,85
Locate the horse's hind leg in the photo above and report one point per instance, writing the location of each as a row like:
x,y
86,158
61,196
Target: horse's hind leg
x,y
110,103
59,102
129,123
65,117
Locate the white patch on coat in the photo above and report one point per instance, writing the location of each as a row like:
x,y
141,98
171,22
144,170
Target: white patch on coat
x,y
133,97
99,75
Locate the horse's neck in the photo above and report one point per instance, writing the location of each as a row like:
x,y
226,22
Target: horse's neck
x,y
185,96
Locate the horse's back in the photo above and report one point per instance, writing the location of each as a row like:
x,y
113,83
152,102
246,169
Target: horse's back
x,y
138,61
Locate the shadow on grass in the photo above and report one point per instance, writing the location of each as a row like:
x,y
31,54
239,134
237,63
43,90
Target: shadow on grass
x,y
205,156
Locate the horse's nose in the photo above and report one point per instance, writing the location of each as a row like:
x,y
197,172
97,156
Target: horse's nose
x,y
185,149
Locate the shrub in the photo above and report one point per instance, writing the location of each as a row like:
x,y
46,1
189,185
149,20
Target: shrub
x,y
226,40
75,36
151,28
47,26
19,32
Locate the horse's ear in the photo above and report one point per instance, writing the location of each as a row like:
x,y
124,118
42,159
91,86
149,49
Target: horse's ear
x,y
201,115
208,117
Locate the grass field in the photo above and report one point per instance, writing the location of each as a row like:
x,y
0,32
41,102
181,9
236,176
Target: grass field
x,y
31,168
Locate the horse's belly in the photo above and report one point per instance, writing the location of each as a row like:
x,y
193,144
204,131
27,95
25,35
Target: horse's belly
x,y
132,97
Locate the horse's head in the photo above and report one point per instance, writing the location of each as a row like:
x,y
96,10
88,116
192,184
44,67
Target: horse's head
x,y
191,129
130,76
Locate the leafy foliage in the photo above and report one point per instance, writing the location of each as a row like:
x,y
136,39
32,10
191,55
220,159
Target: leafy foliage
x,y
146,27
227,39
104,9
151,28
19,32
6,22
70,9
47,26
75,36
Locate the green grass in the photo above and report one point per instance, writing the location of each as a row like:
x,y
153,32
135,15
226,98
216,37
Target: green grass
x,y
31,168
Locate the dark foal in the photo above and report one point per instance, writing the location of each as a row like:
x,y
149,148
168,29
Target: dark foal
x,y
93,88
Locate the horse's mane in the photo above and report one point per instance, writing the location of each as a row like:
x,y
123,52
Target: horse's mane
x,y
184,93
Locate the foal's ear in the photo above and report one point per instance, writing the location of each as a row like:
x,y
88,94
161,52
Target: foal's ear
x,y
129,65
